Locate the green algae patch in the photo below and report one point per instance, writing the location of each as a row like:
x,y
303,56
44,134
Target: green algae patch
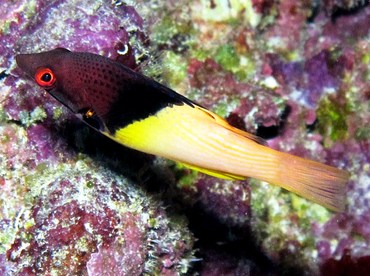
x,y
3,117
366,61
227,11
185,176
152,222
89,184
57,112
40,179
201,54
169,30
332,119
227,57
308,211
223,108
33,117
363,133
241,65
6,238
174,68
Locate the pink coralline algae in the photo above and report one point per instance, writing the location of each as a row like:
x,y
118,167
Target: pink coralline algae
x,y
210,77
127,255
81,224
320,72
228,202
295,73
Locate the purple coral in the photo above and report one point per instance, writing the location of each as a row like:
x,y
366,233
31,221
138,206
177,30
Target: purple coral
x,y
125,255
307,82
215,82
228,202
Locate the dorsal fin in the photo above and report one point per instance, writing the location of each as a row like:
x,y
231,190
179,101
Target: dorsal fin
x,y
221,121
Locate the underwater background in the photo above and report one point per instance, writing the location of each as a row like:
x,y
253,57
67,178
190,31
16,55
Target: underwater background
x,y
296,73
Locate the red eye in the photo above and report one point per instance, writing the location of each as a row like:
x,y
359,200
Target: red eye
x,y
45,77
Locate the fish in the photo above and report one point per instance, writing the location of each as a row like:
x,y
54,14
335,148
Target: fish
x,y
140,113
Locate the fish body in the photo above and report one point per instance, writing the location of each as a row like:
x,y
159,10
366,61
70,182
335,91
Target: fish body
x,y
142,114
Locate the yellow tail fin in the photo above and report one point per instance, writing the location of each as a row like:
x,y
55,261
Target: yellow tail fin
x,y
206,142
315,181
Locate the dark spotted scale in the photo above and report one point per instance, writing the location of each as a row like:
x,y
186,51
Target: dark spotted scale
x,y
119,95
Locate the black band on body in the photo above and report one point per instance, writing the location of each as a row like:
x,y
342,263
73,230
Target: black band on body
x,y
138,99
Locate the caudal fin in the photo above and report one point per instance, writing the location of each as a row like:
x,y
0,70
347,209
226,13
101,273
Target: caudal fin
x,y
318,182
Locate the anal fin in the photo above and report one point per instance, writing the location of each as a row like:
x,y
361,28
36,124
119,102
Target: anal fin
x,y
215,173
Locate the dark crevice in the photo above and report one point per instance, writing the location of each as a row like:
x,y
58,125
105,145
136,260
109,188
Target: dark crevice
x,y
3,75
268,132
122,160
219,240
16,122
315,10
271,132
348,11
311,127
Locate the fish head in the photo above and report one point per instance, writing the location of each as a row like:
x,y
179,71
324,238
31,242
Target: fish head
x,y
83,82
51,71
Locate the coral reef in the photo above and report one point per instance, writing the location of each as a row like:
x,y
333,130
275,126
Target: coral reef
x,y
296,73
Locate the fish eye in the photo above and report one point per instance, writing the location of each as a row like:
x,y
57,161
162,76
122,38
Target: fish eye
x,y
45,77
